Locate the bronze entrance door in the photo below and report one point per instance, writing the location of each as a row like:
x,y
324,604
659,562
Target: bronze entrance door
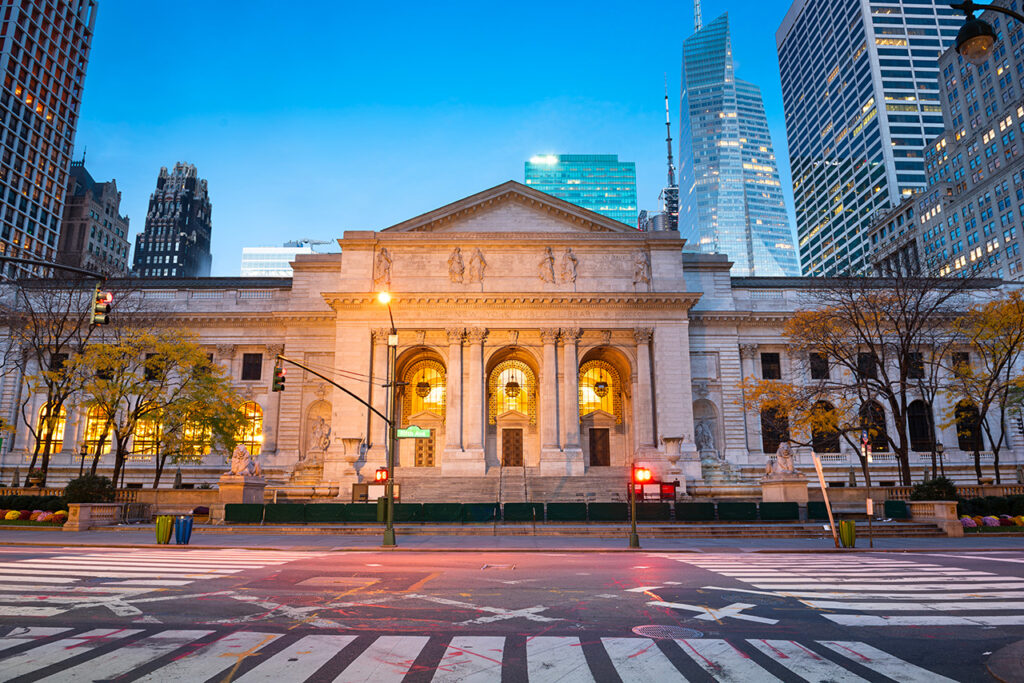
x,y
512,447
425,451
600,454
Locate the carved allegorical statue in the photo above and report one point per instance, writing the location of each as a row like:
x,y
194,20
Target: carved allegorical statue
x,y
783,462
320,435
546,268
569,265
477,266
243,463
456,268
704,436
641,268
382,269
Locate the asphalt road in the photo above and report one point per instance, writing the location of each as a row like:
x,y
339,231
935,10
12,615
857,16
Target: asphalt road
x,y
192,614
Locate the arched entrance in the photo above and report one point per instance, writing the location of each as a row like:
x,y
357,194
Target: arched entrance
x,y
603,400
512,436
421,402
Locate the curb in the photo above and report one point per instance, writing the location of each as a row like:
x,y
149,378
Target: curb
x,y
1007,664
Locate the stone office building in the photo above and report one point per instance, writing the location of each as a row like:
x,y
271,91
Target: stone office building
x,y
545,347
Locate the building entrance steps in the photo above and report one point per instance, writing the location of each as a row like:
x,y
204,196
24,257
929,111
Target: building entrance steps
x,y
513,484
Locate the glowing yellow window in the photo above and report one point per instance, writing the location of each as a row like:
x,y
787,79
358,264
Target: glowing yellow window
x,y
147,438
43,426
512,386
599,389
251,434
95,423
425,390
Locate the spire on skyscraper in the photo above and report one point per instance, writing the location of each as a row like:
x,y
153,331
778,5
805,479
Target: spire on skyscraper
x,y
668,140
698,23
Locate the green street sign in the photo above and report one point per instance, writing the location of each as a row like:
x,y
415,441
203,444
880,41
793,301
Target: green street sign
x,y
413,432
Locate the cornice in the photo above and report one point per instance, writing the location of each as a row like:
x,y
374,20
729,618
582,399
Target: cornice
x,y
345,301
737,317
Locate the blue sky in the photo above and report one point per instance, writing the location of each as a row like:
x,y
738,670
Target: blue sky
x,y
312,118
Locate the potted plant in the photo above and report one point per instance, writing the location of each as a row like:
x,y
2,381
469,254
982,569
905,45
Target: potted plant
x,y
34,478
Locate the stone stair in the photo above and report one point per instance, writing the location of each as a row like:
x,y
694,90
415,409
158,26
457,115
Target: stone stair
x,y
426,485
513,485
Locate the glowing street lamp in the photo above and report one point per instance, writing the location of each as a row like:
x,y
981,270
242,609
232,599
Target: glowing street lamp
x,y
389,484
976,37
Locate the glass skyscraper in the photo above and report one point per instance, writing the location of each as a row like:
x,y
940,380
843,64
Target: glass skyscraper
x,y
730,196
599,182
860,88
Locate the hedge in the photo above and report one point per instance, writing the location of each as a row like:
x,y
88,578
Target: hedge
x,y
653,512
477,512
409,512
442,512
695,512
243,513
780,512
361,512
523,512
609,512
285,513
896,509
319,513
567,512
734,511
44,503
816,509
992,505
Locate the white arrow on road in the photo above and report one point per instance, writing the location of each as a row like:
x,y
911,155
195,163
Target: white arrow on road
x,y
709,614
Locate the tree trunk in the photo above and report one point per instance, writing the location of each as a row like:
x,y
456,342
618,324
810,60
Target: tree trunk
x,y
977,464
161,461
903,457
865,470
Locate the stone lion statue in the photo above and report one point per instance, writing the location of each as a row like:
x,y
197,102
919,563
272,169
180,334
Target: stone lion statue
x,y
783,461
242,462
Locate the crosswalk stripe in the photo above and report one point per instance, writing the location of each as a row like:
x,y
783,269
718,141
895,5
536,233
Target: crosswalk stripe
x,y
831,576
638,660
724,662
554,658
127,657
805,663
155,562
883,662
21,611
471,659
147,582
926,620
922,587
20,636
212,659
914,606
37,579
931,595
298,661
115,574
126,566
388,658
59,651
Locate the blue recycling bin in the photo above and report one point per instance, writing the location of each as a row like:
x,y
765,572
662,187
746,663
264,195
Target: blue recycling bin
x,y
182,529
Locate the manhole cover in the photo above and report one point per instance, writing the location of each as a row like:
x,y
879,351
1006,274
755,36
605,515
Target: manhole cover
x,y
657,631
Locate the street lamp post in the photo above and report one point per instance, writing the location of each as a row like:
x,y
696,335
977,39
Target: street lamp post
x,y
976,37
940,449
389,485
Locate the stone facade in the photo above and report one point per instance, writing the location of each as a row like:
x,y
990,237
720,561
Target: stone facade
x,y
531,334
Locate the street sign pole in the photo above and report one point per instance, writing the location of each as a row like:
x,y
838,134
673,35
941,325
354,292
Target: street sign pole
x,y
824,492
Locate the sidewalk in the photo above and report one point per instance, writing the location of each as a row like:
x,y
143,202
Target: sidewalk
x,y
267,539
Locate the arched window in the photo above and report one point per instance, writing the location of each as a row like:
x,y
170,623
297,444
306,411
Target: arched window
x,y
599,389
919,424
147,437
872,420
512,386
825,435
968,427
424,391
251,433
43,427
196,441
774,430
95,424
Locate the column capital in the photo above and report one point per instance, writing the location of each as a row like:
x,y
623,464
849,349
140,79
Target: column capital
x,y
455,335
643,335
549,335
748,350
571,334
274,350
226,350
380,334
476,334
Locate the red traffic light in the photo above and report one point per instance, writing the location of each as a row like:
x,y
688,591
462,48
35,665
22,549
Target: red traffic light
x,y
381,475
641,475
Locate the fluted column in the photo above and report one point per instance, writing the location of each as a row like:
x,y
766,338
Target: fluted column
x,y
549,390
644,402
378,427
473,434
570,401
453,391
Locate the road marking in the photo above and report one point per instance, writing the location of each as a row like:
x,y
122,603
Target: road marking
x,y
979,557
212,659
147,582
925,620
119,574
642,589
298,661
21,611
805,663
388,659
38,579
923,587
883,662
734,611
914,606
723,661
122,567
422,582
126,657
551,658
638,660
498,613
57,651
472,659
19,636
932,595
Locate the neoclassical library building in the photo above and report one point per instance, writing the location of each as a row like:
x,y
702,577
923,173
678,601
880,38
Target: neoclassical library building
x,y
538,343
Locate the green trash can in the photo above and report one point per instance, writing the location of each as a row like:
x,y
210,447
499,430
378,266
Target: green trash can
x,y
382,508
164,527
847,533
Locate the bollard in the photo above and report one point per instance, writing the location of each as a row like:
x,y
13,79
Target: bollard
x,y
182,529
164,525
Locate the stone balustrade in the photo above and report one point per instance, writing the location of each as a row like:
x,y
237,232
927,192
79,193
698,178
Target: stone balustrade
x,y
942,513
84,516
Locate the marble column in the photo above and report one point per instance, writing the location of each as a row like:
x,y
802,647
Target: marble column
x,y
552,460
272,417
644,401
377,454
471,460
748,362
453,393
571,450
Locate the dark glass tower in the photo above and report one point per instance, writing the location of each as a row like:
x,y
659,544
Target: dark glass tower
x,y
176,240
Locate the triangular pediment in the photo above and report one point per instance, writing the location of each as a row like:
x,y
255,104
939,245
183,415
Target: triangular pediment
x,y
511,207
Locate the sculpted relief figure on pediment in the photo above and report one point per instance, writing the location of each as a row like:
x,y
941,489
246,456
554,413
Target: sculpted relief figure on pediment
x,y
641,268
569,265
456,268
546,267
477,266
382,269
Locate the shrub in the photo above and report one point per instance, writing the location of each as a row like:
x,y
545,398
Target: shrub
x,y
990,521
939,488
12,514
968,523
89,489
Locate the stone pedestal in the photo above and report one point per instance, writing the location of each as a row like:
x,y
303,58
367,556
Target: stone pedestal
x,y
784,488
241,488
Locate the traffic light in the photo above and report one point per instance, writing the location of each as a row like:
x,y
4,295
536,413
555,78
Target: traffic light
x,y
641,475
381,475
278,384
100,307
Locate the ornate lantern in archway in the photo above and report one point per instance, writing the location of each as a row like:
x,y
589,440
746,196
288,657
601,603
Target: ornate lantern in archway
x,y
601,389
422,389
512,388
